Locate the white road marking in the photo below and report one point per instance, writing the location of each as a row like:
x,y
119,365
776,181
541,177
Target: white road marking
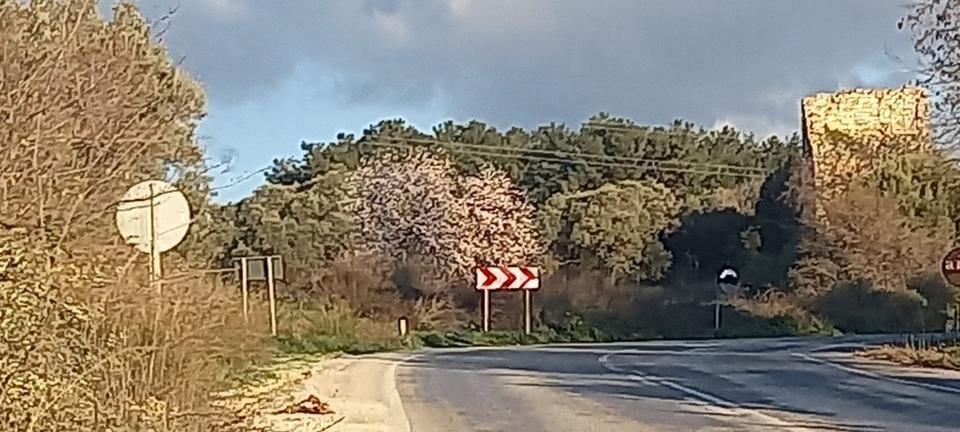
x,y
879,376
714,403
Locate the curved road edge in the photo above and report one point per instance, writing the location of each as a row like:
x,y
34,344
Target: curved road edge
x,y
398,420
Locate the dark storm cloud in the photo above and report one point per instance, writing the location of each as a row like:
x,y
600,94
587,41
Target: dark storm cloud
x,y
533,61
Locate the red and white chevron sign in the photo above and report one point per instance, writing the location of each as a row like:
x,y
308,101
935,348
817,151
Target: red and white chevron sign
x,y
508,278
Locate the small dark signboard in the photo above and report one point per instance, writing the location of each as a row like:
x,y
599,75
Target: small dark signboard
x,y
950,266
257,268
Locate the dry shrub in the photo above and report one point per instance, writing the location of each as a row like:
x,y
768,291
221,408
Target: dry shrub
x,y
332,316
862,234
365,288
858,307
362,282
43,354
106,359
945,356
435,312
89,108
775,304
583,291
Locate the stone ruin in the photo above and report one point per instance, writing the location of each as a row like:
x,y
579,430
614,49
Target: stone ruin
x,y
847,133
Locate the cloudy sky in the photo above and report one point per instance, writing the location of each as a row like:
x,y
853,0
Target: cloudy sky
x,y
281,72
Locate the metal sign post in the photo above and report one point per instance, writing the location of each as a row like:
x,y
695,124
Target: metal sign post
x,y
273,297
267,268
156,269
486,310
153,217
716,313
950,268
950,325
244,287
527,311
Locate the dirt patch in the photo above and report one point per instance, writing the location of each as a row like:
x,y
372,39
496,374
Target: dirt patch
x,y
355,394
947,357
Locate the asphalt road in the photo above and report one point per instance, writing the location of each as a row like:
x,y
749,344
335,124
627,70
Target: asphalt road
x,y
809,384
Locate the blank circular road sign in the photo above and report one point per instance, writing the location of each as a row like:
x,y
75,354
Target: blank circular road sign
x,y
171,214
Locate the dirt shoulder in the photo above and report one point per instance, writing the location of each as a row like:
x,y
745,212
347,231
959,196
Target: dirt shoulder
x,y
348,393
947,358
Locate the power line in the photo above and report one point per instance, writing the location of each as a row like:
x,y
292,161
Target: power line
x,y
552,156
649,167
676,164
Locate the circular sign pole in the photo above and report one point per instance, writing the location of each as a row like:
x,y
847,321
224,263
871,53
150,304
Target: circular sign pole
x,y
728,280
156,270
950,268
156,266
153,217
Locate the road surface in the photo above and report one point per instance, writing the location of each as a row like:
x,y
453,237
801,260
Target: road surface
x,y
809,384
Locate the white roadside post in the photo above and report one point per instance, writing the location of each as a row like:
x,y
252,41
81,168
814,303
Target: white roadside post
x,y
245,289
271,293
402,326
527,324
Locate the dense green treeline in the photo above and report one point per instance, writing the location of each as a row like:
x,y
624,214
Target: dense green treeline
x,y
632,223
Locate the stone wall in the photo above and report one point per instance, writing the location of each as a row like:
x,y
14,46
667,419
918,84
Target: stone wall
x,y
846,133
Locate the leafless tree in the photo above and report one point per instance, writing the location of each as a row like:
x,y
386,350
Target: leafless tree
x,y
935,25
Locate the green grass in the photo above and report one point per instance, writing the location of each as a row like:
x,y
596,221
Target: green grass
x,y
451,339
325,344
734,325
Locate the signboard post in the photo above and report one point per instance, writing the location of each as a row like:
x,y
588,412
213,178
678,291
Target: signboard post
x,y
728,281
271,293
527,312
266,268
153,217
953,318
526,279
245,290
950,268
486,310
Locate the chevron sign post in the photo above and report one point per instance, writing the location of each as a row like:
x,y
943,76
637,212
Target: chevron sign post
x,y
508,278
526,279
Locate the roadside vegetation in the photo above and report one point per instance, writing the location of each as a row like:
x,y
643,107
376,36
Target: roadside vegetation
x,y
920,352
391,223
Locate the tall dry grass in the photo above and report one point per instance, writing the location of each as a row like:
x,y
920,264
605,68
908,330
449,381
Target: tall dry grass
x,y
82,353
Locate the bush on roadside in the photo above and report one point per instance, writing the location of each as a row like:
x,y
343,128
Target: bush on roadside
x,y
918,352
857,307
